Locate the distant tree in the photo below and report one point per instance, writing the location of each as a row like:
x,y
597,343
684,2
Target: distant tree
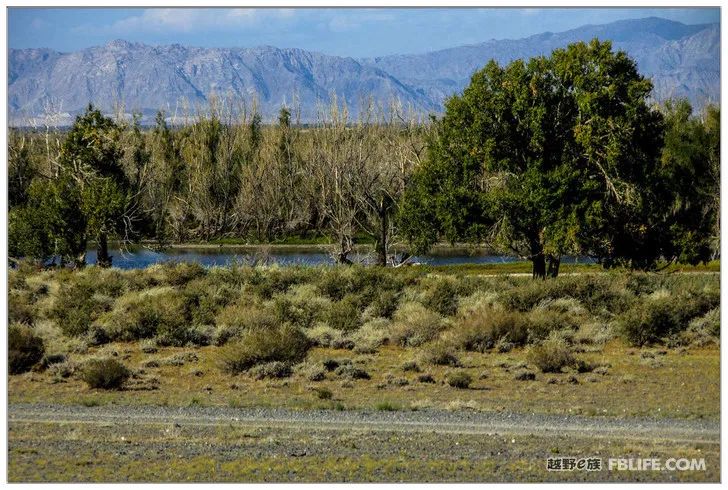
x,y
541,159
690,183
91,157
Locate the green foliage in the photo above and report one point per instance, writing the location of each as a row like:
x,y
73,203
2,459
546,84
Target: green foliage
x,y
105,374
551,356
25,349
459,380
545,157
653,320
480,330
259,346
76,307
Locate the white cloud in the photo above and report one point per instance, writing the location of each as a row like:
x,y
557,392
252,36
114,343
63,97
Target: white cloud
x,y
184,20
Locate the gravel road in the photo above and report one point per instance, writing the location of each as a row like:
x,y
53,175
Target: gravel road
x,y
431,421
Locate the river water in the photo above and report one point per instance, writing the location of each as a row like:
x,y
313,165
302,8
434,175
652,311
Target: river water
x,y
141,257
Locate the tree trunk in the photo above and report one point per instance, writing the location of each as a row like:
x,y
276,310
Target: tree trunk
x,y
539,265
103,259
380,245
554,263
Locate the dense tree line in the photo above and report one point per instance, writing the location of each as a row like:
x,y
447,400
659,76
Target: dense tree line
x,y
555,155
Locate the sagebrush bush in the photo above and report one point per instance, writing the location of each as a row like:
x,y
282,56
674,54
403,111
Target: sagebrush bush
x,y
302,306
20,307
271,370
106,374
257,346
441,295
541,322
343,315
441,354
551,355
460,380
162,312
25,349
370,336
413,325
180,273
701,331
482,329
321,335
77,306
652,321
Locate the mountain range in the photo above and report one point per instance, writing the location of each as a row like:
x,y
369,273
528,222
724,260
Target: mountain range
x,y
682,61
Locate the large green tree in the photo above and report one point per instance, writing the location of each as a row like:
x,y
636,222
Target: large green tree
x,y
543,158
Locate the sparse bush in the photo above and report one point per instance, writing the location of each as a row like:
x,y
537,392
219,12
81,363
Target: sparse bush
x,y
652,321
162,312
343,315
323,336
25,349
285,344
425,378
701,331
459,380
442,295
541,322
414,325
179,274
387,406
441,354
106,374
76,307
411,366
370,336
273,370
524,375
349,371
324,393
551,355
482,329
20,307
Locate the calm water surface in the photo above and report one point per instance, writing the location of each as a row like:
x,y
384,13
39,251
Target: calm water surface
x,y
140,257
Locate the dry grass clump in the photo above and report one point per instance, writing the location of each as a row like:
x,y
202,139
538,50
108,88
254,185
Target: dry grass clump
x,y
459,380
414,325
271,370
440,353
258,346
106,374
482,329
372,335
25,349
551,355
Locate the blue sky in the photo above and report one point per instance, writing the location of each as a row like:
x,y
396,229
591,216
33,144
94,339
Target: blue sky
x,y
350,32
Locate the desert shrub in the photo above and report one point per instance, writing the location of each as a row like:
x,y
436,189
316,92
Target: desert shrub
x,y
343,315
162,312
106,374
597,292
414,325
593,333
482,329
324,393
441,354
180,273
20,307
383,305
479,300
701,331
441,295
269,282
349,371
247,314
50,359
186,335
541,322
370,336
459,380
425,378
322,335
76,307
205,298
25,349
258,346
524,375
651,321
272,370
302,306
411,366
551,355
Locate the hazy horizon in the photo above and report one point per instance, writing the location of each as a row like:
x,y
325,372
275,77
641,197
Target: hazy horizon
x,y
356,32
